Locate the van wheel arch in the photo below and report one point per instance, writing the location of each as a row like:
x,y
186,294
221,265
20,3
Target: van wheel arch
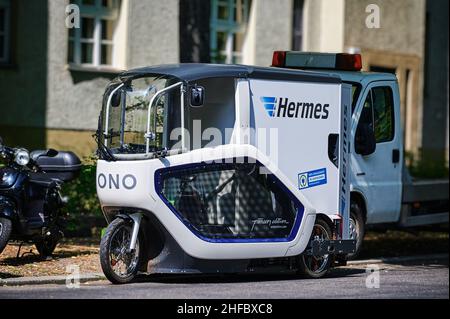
x,y
356,197
358,214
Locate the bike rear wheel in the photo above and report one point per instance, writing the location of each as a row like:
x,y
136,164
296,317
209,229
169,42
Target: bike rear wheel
x,y
317,266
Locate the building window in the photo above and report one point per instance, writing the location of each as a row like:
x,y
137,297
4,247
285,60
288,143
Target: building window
x,y
228,23
297,33
92,44
5,13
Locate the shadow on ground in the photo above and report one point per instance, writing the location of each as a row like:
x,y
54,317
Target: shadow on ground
x,y
339,272
28,257
237,278
6,275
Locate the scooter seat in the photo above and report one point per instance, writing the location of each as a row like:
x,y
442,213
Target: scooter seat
x,y
42,180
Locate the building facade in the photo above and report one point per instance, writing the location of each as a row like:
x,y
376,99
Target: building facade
x,y
52,77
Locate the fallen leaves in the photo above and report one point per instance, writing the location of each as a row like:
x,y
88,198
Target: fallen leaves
x,y
83,253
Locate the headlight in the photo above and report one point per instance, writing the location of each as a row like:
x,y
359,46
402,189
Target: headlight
x,y
7,177
22,157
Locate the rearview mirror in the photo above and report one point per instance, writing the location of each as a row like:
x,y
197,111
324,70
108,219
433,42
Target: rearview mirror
x,y
365,142
197,96
116,98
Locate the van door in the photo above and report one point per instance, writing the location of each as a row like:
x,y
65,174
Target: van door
x,y
377,176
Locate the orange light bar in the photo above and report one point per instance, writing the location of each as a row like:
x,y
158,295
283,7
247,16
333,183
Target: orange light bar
x,y
279,59
309,60
350,62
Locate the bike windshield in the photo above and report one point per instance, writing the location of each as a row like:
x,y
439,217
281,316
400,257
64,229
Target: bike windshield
x,y
139,114
149,116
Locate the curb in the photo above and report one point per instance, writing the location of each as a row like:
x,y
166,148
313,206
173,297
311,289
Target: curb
x,y
394,260
47,280
61,280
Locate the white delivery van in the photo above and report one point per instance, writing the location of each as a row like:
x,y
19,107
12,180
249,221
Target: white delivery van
x,y
383,194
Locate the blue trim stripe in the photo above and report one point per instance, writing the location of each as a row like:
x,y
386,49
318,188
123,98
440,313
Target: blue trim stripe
x,y
300,209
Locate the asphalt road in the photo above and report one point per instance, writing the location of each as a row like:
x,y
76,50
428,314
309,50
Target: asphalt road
x,y
412,280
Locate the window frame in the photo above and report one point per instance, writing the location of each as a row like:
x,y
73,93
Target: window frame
x,y
356,94
230,27
297,25
6,33
161,175
98,13
372,107
391,106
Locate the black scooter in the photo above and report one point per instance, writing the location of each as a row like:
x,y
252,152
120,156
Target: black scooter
x,y
30,199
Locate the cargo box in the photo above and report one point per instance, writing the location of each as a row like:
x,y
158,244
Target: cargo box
x,y
65,166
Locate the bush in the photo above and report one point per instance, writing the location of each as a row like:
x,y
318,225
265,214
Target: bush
x,y
427,164
83,208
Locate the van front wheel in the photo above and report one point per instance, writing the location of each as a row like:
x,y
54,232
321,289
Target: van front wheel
x,y
119,264
357,228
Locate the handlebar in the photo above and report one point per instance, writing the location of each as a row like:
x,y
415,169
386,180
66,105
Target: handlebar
x,y
6,151
13,156
22,157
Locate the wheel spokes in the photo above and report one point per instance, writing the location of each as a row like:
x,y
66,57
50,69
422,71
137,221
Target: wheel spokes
x,y
122,261
317,264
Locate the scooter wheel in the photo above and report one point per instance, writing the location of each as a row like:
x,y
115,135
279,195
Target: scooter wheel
x,y
5,232
119,264
312,266
47,246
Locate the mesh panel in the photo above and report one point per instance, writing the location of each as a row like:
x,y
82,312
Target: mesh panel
x,y
230,201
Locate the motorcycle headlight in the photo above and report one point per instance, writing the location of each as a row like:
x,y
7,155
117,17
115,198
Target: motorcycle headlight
x,y
22,157
7,177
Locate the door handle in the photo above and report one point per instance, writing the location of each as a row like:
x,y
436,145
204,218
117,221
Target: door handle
x,y
395,156
361,174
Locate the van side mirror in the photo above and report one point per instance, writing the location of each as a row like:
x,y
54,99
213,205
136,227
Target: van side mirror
x,y
365,142
197,96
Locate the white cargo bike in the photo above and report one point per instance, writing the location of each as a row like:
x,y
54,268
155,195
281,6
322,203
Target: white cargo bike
x,y
229,169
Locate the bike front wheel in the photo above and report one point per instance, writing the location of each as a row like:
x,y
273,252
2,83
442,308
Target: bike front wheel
x,y
119,264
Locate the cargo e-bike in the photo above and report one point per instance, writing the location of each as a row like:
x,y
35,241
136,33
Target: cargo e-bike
x,y
223,169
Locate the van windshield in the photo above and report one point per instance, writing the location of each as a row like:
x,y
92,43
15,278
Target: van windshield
x,y
124,124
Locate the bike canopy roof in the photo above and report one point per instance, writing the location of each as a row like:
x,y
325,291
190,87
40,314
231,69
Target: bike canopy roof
x,y
188,72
